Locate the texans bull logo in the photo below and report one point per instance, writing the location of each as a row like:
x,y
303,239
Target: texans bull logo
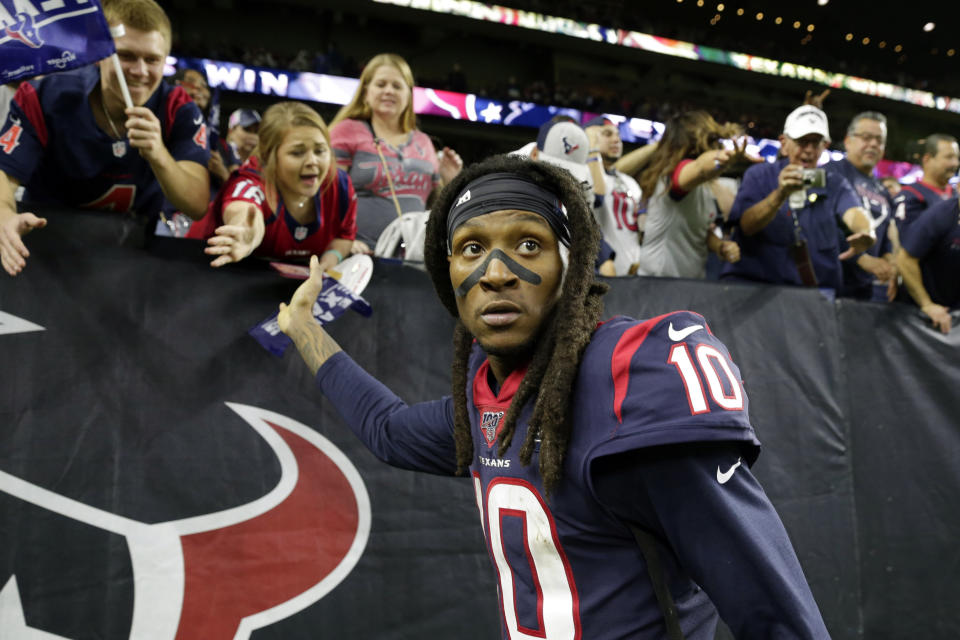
x,y
228,573
24,30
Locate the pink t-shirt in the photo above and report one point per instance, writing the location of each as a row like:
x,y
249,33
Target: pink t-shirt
x,y
412,165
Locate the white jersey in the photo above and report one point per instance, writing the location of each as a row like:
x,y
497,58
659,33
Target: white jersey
x,y
675,235
617,217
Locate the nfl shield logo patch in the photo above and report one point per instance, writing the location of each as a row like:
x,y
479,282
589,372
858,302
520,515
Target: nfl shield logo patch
x,y
300,233
489,422
120,148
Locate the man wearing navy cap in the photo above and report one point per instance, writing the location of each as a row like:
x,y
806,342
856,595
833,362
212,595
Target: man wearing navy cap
x,y
786,222
242,128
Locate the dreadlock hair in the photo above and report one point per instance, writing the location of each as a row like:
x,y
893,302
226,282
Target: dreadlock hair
x,y
562,339
686,135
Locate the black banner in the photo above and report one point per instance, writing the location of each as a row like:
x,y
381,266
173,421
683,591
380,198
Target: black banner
x,y
163,476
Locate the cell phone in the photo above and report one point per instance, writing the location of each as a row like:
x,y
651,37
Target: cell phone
x,y
814,178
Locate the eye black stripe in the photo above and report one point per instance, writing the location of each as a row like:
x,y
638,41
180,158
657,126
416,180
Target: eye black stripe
x,y
515,267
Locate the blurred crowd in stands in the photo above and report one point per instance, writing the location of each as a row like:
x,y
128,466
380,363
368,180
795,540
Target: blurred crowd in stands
x,y
653,103
655,90
763,38
285,185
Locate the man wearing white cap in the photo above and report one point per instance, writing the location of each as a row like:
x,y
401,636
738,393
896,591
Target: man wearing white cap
x,y
786,214
563,143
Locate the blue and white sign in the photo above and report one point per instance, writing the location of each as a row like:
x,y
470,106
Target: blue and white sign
x,y
45,36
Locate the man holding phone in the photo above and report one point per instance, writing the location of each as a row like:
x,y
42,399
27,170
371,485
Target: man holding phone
x,y
787,213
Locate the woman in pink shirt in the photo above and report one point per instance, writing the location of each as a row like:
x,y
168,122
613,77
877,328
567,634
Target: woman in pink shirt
x,y
393,165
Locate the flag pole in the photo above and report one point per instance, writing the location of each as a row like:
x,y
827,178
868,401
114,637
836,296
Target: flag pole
x,y
117,32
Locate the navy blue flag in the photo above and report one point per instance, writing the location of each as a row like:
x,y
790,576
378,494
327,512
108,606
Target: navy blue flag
x,y
35,40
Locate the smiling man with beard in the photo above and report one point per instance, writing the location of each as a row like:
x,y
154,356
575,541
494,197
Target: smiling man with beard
x,y
612,484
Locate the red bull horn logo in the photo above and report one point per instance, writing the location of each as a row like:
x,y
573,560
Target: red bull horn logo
x,y
220,575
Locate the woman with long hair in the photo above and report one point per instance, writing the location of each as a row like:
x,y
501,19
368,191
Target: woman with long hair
x,y
680,188
393,165
288,200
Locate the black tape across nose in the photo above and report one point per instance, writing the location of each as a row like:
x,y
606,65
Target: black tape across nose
x,y
515,267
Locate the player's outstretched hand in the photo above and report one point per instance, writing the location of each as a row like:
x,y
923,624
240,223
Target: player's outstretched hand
x,y
13,253
296,321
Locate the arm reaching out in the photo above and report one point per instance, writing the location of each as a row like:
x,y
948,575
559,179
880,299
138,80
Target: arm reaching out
x,y
296,321
13,226
634,162
862,237
710,164
241,233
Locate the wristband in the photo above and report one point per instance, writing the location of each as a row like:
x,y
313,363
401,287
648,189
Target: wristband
x,y
336,253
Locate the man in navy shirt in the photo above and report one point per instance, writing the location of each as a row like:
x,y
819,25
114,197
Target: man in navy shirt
x,y
930,261
865,142
597,449
70,138
787,229
940,160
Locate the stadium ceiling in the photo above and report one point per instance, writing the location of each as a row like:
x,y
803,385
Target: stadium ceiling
x,y
889,37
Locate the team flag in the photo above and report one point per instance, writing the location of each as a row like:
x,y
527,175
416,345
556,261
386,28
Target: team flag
x,y
45,37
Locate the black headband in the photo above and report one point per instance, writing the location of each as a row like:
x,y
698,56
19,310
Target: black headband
x,y
503,191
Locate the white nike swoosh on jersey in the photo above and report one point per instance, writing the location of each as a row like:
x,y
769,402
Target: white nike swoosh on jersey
x,y
723,476
199,120
677,336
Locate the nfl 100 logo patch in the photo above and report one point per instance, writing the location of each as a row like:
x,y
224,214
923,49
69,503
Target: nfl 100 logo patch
x,y
489,422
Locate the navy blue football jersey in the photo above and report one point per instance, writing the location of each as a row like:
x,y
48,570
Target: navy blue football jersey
x,y
914,199
875,199
934,240
52,145
568,565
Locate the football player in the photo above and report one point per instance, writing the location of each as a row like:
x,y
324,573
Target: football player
x,y
610,459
